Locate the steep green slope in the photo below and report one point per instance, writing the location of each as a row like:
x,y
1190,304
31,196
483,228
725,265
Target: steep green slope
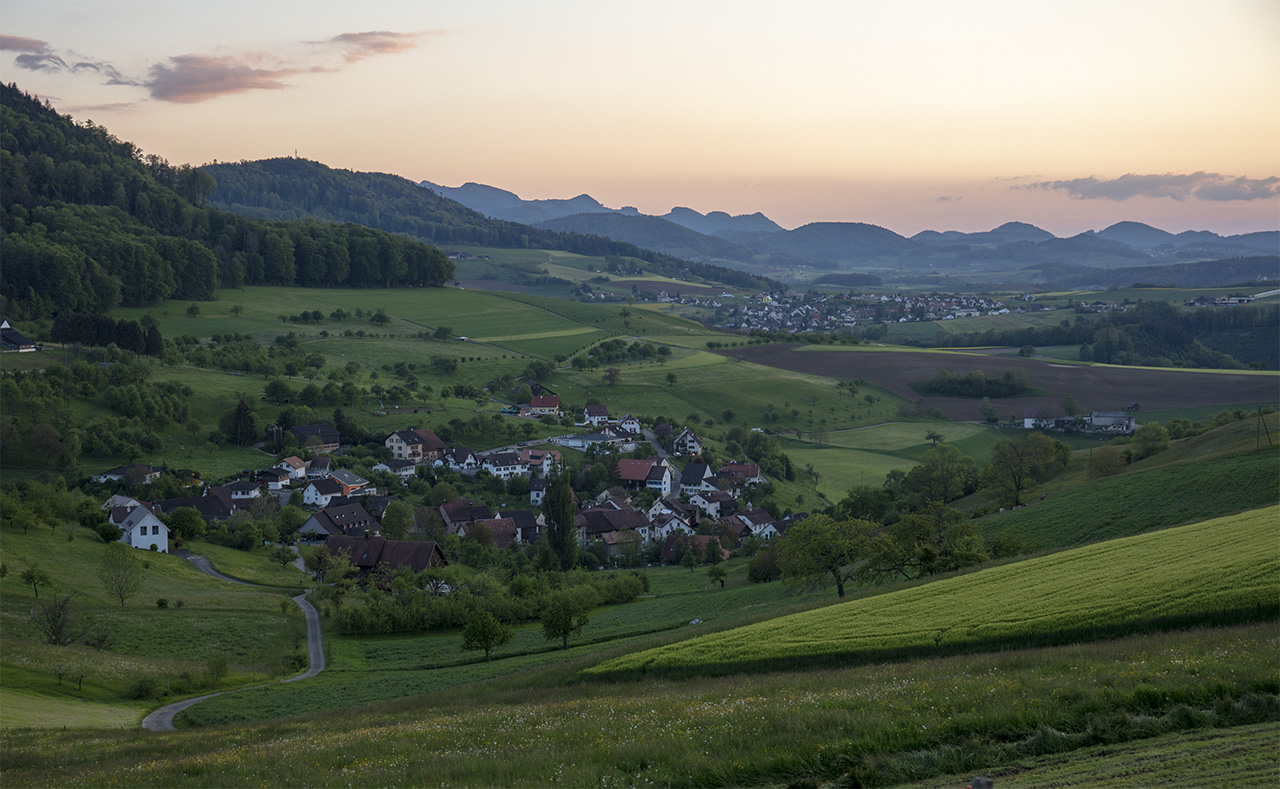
x,y
1139,501
91,224
1215,570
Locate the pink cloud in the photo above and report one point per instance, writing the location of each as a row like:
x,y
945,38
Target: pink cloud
x,y
188,79
23,44
358,46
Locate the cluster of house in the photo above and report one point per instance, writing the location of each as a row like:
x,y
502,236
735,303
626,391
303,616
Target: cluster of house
x,y
806,312
1220,301
1123,422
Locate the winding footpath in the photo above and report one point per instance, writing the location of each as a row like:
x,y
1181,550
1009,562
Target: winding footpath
x,y
162,719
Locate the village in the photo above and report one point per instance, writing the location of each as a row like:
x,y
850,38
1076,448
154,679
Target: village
x,y
660,508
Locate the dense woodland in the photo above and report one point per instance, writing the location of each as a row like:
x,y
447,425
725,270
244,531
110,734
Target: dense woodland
x,y
89,224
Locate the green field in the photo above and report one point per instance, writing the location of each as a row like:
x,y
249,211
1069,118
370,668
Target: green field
x,y
1140,500
204,618
1215,568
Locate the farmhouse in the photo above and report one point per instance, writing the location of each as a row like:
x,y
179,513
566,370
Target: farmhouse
x,y
14,341
349,519
541,404
505,465
368,553
318,439
421,445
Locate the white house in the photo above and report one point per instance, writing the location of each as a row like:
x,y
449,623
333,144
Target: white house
x,y
695,478
144,531
596,415
537,491
505,465
630,424
320,491
404,469
296,467
460,459
687,443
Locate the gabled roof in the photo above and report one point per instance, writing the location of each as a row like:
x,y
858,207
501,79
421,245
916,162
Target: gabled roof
x,y
293,462
596,410
739,471
526,523
504,530
462,509
695,473
632,470
368,552
599,521
421,435
503,459
326,486
211,508
347,478
322,431
545,401
344,519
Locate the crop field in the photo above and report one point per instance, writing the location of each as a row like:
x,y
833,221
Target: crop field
x,y
903,435
1139,501
1214,568
876,725
1243,756
927,330
1096,387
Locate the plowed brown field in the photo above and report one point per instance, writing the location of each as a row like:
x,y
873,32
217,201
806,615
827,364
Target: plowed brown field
x,y
1095,388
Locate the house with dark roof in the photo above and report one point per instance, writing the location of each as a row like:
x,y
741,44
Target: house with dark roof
x,y
318,492
739,474
503,530
460,459
655,474
595,415
541,404
629,424
505,465
404,469
537,491
319,467
541,462
348,519
528,525
594,522
14,341
421,445
213,506
696,477
143,530
133,473
374,504
350,482
368,553
460,513
243,490
687,443
714,503
318,439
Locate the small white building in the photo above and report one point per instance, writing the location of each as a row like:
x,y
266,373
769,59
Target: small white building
x,y
144,531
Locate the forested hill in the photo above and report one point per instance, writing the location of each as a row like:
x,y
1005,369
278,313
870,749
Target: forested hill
x,y
89,223
297,188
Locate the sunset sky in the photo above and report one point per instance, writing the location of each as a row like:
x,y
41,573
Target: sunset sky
x,y
910,115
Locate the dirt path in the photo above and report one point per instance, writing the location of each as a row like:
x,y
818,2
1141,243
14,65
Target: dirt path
x,y
162,719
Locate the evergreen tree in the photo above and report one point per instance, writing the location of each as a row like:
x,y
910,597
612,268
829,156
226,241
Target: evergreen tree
x,y
558,507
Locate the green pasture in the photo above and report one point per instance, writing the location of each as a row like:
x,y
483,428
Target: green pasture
x,y
1243,756
204,618
843,468
254,567
903,435
1210,569
873,725
370,669
1137,501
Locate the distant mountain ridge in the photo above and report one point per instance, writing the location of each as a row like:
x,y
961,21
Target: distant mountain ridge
x,y
753,237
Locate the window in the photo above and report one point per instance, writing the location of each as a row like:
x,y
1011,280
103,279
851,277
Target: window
x,y
155,529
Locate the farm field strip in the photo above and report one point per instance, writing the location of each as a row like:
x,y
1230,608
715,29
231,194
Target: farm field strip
x,y
1219,565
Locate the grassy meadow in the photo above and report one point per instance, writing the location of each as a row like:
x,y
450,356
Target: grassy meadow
x,y
203,619
1215,569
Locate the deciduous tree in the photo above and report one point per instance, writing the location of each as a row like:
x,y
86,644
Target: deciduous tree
x,y
818,550
484,631
1015,466
564,616
120,572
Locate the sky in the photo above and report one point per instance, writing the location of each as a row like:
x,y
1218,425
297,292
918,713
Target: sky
x,y
917,114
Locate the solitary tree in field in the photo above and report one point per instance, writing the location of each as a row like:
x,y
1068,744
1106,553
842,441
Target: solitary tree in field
x,y
819,549
57,621
563,617
484,631
120,572
611,375
717,574
283,554
36,577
